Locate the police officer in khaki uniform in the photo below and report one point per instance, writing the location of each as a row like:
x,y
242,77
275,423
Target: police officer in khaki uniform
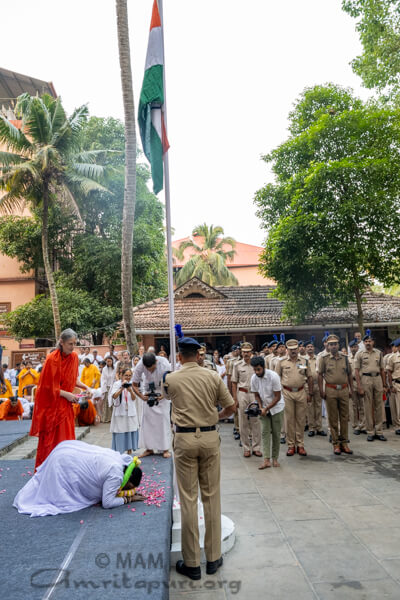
x,y
195,393
235,351
203,361
273,352
315,406
393,371
390,394
334,369
280,352
357,414
370,378
295,373
241,378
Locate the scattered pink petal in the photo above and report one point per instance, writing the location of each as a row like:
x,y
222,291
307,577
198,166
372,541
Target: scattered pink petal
x,y
110,516
133,509
143,514
81,522
23,474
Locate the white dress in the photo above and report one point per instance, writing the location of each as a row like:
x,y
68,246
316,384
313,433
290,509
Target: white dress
x,y
75,475
155,426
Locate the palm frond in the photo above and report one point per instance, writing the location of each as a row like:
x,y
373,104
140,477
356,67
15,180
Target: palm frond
x,y
89,170
58,117
189,244
13,137
68,202
10,204
37,120
8,158
90,156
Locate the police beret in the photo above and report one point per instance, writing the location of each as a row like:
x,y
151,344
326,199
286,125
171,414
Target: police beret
x,y
309,342
332,338
280,344
301,343
396,342
234,347
265,344
367,337
291,344
188,342
353,343
272,343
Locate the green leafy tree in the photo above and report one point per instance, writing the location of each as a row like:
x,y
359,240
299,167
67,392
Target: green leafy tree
x,y
43,166
379,28
208,260
78,309
333,213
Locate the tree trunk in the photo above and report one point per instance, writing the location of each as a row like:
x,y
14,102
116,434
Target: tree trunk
x,y
130,174
47,266
360,316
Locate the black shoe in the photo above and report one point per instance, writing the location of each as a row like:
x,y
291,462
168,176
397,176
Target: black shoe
x,y
240,443
370,438
322,432
237,436
191,572
306,428
330,438
364,432
283,440
212,567
381,438
311,433
397,432
357,432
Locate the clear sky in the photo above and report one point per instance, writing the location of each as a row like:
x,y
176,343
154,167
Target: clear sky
x,y
233,70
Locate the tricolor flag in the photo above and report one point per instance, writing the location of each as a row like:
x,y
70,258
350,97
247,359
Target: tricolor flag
x,y
151,116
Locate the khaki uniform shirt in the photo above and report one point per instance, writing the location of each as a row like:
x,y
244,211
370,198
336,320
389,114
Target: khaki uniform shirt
x,y
230,364
312,363
242,374
386,359
393,365
334,370
268,359
352,360
319,356
293,374
209,365
194,393
369,362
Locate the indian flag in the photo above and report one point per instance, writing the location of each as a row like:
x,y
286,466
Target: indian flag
x,y
151,115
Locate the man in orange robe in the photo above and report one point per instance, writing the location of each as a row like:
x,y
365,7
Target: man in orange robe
x,y
53,415
11,410
27,376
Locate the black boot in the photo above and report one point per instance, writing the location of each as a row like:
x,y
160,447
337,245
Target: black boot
x,y
212,567
191,572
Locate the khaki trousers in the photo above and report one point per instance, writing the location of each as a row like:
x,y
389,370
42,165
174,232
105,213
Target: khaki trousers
x,y
314,410
236,421
247,426
394,401
295,414
337,406
271,432
197,463
373,400
357,413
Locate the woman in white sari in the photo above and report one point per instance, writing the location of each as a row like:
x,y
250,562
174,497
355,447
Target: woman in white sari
x,y
124,422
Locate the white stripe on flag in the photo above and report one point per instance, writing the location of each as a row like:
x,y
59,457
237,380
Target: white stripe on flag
x,y
156,121
154,49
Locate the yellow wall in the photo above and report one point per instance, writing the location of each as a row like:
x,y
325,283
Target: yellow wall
x,y
249,276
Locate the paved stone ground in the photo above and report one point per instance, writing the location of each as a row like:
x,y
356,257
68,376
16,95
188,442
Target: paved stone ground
x,y
319,527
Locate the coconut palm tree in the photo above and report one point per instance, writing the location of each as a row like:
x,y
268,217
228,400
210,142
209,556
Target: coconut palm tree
x,y
43,166
208,260
130,173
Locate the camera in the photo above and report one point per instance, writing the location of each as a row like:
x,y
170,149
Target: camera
x,y
126,385
253,410
152,395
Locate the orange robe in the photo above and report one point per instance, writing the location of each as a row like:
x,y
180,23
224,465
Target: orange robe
x,y
8,412
27,380
91,376
7,393
53,416
88,415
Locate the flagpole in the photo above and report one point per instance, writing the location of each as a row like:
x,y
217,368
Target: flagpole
x,y
168,217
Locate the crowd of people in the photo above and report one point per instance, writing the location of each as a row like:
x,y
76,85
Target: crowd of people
x,y
275,395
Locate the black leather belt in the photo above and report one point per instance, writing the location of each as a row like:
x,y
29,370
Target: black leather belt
x,y
396,380
193,429
371,374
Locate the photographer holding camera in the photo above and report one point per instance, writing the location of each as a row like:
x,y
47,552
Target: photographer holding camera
x,y
124,421
266,386
155,431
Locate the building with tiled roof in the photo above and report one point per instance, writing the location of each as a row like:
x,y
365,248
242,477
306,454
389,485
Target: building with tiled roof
x,y
222,315
244,264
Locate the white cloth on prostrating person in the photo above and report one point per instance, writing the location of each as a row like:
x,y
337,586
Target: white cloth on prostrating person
x,y
26,405
75,475
155,425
